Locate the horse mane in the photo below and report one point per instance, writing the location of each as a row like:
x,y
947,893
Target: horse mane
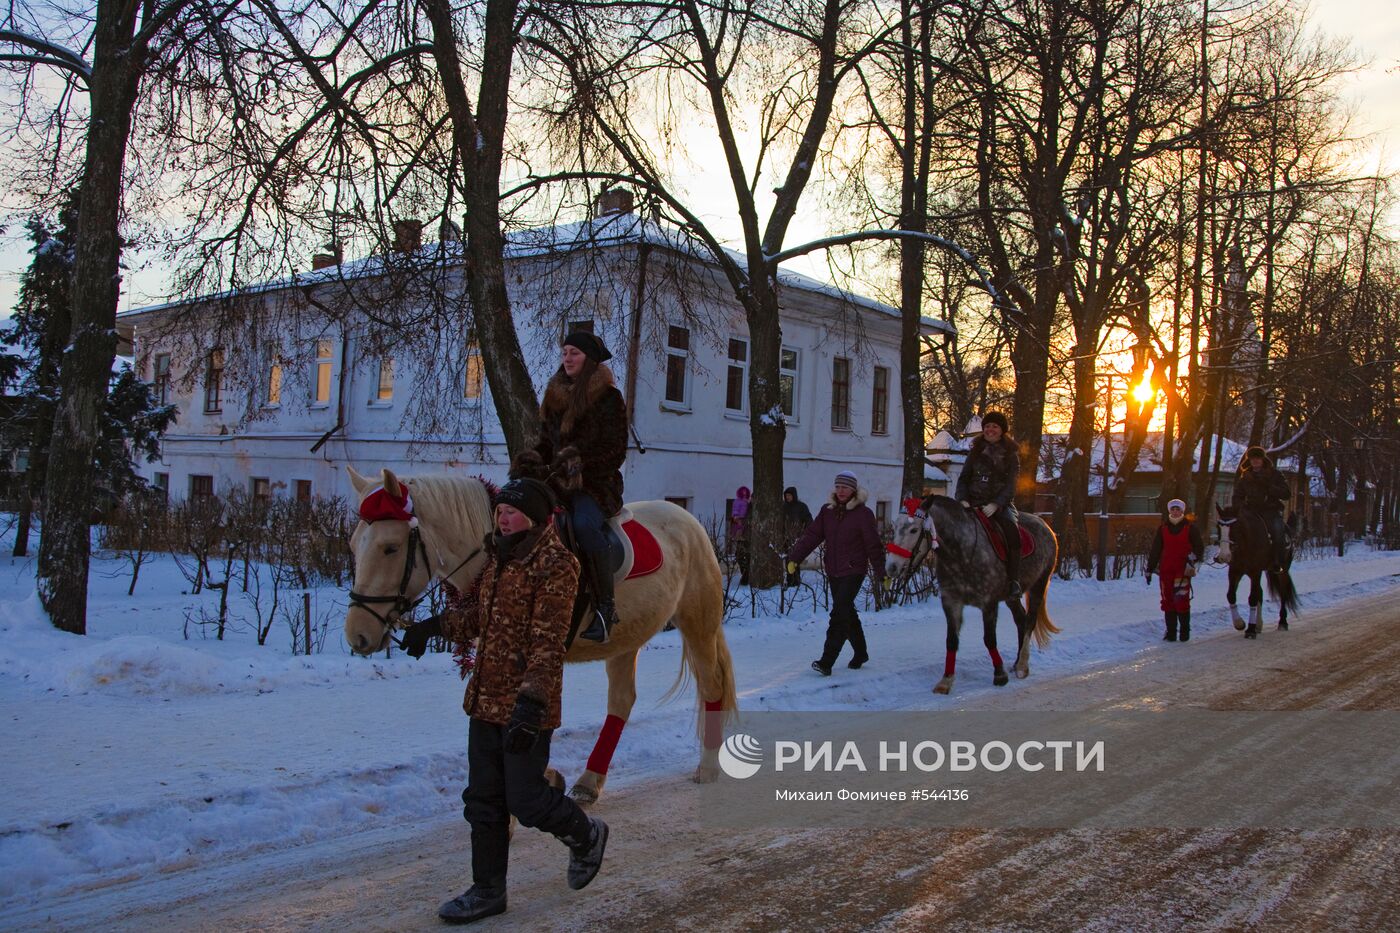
x,y
459,503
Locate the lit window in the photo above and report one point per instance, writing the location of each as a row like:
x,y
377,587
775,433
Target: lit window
x,y
385,390
324,351
475,374
274,378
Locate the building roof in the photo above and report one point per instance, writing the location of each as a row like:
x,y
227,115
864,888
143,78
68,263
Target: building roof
x,y
602,232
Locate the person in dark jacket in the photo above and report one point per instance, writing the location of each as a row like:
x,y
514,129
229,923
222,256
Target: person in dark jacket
x,y
583,435
988,482
520,620
847,527
1261,489
796,518
1177,549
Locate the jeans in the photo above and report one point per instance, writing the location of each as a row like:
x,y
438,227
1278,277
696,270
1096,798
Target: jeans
x,y
844,624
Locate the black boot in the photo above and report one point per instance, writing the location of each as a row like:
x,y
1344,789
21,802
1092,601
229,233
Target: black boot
x,y
600,579
1013,570
1185,619
475,903
1171,627
857,637
586,852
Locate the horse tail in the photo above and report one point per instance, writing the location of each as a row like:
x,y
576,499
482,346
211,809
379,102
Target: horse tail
x,y
1039,600
1282,589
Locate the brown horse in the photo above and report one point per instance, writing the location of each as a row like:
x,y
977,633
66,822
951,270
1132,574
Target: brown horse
x,y
396,560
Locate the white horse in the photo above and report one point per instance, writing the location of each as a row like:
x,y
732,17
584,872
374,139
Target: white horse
x,y
453,515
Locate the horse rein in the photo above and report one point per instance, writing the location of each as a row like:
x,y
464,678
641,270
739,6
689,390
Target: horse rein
x,y
401,603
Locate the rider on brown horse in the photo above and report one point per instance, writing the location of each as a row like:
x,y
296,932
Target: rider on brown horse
x,y
1261,489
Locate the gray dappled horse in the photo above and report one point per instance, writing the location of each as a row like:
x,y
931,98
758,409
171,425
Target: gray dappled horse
x,y
1245,546
971,574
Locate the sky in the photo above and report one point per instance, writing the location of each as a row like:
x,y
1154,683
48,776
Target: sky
x,y
1372,25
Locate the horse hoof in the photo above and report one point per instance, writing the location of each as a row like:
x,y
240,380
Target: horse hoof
x,y
705,774
583,796
1251,632
1022,673
999,678
1282,626
1239,624
944,686
554,779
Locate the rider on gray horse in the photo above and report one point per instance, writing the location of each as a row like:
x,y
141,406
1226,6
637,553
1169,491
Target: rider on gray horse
x,y
1261,489
988,482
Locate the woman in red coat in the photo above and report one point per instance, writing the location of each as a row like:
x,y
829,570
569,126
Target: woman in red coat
x,y
1176,550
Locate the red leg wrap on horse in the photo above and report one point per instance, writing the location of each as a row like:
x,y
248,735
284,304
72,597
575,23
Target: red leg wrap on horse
x,y
607,744
714,723
948,664
996,658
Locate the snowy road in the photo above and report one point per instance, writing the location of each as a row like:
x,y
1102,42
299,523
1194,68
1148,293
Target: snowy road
x,y
663,872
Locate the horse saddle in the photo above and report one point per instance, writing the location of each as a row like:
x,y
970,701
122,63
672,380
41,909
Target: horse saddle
x,y
632,549
998,541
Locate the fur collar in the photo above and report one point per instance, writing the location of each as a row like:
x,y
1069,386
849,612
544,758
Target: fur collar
x,y
980,444
852,503
556,394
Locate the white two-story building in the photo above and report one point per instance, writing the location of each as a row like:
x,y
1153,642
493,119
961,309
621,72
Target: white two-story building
x,y
276,395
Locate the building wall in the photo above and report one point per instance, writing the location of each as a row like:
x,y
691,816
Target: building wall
x,y
695,450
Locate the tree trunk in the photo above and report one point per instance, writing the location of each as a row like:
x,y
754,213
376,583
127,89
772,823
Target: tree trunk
x,y
479,140
65,542
768,433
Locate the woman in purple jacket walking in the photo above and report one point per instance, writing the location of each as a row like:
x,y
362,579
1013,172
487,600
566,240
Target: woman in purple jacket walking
x,y
847,527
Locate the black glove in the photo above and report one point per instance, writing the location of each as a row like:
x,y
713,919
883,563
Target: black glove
x,y
524,728
414,640
1149,578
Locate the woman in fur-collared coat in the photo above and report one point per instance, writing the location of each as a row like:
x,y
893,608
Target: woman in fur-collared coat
x,y
583,436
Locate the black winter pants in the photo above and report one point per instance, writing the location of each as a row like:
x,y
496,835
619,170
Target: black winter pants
x,y
501,785
844,624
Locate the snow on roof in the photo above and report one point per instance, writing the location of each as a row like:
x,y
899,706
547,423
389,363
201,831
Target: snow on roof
x,y
933,474
597,233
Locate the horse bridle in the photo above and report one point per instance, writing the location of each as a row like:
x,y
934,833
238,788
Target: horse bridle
x,y
908,553
400,601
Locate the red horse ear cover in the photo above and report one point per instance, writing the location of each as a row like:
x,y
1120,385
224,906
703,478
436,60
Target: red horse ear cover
x,y
379,504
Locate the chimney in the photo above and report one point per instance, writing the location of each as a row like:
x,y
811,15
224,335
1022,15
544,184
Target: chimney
x,y
612,201
327,259
408,235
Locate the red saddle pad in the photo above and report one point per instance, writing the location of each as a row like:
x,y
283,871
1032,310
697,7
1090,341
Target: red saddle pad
x,y
999,545
646,553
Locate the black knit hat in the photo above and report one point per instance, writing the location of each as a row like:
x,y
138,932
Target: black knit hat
x,y
528,496
996,417
589,345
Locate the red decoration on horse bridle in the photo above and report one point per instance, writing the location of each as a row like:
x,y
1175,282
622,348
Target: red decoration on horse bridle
x,y
898,551
381,504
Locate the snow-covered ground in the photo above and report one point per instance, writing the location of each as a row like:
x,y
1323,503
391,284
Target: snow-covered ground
x,y
135,750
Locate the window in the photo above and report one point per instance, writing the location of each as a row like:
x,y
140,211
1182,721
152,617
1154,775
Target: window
x,y
682,501
880,412
201,486
261,489
161,378
303,490
572,326
214,381
161,485
882,514
787,382
677,364
736,383
475,378
840,394
385,390
324,352
274,379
